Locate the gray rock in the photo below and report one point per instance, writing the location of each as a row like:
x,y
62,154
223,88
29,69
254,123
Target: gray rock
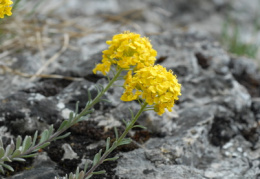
x,y
42,168
213,130
149,169
25,113
214,108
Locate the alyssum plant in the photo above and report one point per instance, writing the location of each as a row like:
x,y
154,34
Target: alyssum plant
x,y
153,86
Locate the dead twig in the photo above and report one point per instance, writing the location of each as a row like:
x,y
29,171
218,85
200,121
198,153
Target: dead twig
x,y
54,57
126,17
26,75
40,45
4,54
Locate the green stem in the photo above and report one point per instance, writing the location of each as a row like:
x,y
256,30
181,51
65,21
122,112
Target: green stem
x,y
83,112
117,143
132,123
97,98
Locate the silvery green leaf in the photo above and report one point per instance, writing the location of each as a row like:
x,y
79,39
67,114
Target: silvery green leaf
x,y
111,159
98,88
77,172
85,167
8,150
71,176
87,104
126,123
99,172
81,175
26,143
77,108
131,112
140,126
116,132
89,96
29,155
108,79
125,142
87,112
97,157
18,142
16,153
101,87
19,159
2,152
43,145
71,117
63,136
12,147
63,124
82,118
50,131
105,100
107,143
1,142
6,159
34,138
44,136
114,145
8,167
89,176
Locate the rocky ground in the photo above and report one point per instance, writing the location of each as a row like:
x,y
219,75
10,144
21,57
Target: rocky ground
x,y
213,131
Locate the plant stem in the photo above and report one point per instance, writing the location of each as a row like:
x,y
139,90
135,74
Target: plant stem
x,y
117,143
83,112
132,123
97,98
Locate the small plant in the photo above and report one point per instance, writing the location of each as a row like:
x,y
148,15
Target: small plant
x,y
232,35
153,87
233,42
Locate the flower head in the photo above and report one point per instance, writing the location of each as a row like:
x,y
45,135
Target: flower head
x,y
127,50
155,85
5,8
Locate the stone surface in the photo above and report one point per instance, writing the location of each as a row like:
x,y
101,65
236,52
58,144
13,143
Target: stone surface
x,y
213,130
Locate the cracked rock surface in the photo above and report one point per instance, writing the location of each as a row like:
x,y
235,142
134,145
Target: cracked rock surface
x,y
212,132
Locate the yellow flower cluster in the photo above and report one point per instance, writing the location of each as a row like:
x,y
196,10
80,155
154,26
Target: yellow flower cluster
x,y
127,50
5,8
155,85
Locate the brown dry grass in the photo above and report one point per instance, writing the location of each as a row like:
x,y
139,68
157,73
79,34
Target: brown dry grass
x,y
20,32
23,31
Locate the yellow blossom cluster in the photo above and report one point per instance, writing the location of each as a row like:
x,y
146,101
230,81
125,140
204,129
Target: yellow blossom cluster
x,y
155,85
127,50
5,8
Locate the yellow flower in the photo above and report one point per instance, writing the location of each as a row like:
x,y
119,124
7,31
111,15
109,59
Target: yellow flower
x,y
5,8
127,50
155,85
